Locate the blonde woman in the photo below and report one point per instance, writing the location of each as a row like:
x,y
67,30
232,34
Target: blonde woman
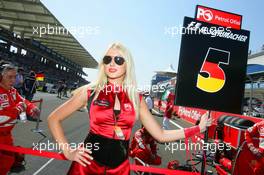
x,y
113,111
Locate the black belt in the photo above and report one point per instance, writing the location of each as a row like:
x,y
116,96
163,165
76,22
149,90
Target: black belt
x,y
111,152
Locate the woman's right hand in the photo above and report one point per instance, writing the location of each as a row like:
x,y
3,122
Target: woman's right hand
x,y
79,155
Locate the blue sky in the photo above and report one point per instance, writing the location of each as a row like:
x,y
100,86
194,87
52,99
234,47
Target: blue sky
x,y
141,26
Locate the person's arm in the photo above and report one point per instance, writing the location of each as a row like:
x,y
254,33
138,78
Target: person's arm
x,y
54,122
154,128
139,139
249,134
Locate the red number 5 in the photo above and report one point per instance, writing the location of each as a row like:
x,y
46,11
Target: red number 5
x,y
211,77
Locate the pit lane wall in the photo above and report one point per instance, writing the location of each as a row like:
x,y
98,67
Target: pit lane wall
x,y
192,115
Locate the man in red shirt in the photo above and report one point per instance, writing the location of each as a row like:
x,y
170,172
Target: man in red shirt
x,y
144,147
256,131
167,114
11,105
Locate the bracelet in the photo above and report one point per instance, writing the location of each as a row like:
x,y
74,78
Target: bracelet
x,y
189,132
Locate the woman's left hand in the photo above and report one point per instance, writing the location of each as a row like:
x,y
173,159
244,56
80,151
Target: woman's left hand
x,y
205,122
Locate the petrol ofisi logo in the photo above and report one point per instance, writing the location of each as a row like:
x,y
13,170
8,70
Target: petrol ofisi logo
x,y
207,15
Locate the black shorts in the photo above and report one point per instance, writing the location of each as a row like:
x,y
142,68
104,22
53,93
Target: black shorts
x,y
111,152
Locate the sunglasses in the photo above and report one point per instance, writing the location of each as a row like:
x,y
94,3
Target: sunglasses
x,y
118,60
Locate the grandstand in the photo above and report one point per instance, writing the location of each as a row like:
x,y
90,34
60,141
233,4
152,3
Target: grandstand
x,y
58,55
255,76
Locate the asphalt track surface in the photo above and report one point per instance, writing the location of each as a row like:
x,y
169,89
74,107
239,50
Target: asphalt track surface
x,y
75,128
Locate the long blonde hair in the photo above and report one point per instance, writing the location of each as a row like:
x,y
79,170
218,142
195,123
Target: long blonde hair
x,y
129,84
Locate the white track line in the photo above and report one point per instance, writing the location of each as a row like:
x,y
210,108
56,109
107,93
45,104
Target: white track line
x,y
156,111
177,125
43,166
